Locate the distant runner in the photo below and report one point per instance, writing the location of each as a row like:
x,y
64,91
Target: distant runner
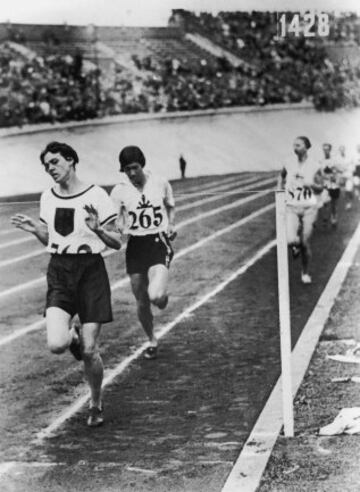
x,y
301,178
331,174
356,173
346,165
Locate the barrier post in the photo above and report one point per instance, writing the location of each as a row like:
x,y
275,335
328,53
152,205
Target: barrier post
x,y
284,313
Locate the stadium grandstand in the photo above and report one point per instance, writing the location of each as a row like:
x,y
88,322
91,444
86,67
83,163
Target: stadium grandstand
x,y
57,73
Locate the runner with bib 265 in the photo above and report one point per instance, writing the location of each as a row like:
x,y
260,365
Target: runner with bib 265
x,y
146,208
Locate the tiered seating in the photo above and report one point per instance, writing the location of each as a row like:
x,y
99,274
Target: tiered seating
x,y
172,73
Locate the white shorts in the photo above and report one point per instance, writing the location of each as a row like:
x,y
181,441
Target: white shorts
x,y
300,219
323,198
349,184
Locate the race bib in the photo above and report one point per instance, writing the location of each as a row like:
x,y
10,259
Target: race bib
x,y
300,196
146,218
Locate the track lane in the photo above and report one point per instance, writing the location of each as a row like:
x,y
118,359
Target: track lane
x,y
65,380
222,380
198,238
20,277
52,379
186,195
10,257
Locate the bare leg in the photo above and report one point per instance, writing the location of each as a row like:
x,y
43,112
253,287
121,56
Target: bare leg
x,y
305,256
158,281
139,285
93,366
348,199
308,220
333,211
57,327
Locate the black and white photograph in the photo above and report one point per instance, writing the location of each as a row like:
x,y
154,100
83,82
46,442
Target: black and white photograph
x,y
180,246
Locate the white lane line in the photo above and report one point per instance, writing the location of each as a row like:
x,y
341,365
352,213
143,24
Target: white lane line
x,y
225,230
251,463
196,190
11,261
217,182
40,324
110,375
26,285
15,242
181,197
180,225
215,211
237,191
6,466
197,203
8,231
19,202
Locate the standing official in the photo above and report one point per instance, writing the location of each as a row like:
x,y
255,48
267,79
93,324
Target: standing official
x,y
182,163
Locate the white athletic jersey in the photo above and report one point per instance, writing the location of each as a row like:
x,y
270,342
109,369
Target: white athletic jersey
x,y
65,218
331,172
144,211
346,165
301,175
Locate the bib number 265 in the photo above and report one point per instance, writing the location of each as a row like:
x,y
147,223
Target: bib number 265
x,y
146,218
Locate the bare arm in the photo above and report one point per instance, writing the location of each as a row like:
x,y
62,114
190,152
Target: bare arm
x,y
318,183
170,210
171,216
36,227
109,233
282,179
121,220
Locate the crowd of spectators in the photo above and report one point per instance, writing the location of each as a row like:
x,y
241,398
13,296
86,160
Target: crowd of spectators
x,y
302,64
57,88
345,30
37,89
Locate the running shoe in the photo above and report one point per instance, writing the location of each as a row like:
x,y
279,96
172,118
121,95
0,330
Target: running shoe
x,y
75,346
96,416
163,304
150,352
305,278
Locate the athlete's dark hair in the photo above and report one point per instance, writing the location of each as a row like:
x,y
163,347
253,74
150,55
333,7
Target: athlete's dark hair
x,y
306,142
328,144
63,149
129,155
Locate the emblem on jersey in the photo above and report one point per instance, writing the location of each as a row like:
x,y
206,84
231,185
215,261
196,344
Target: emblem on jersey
x,y
145,216
64,221
143,203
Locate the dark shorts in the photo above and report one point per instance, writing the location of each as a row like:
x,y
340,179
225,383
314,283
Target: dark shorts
x,y
143,252
334,193
80,284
